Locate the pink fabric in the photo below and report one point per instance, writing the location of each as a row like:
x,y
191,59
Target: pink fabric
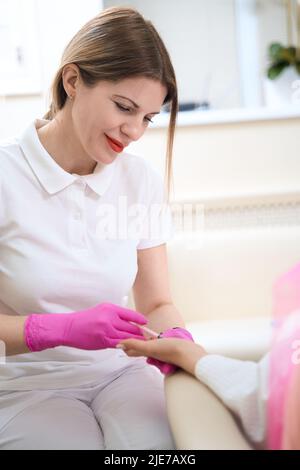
x,y
286,323
291,420
164,367
99,327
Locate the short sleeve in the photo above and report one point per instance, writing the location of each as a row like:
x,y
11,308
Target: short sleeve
x,y
158,225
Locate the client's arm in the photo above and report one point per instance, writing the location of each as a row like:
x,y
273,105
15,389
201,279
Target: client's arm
x,y
241,385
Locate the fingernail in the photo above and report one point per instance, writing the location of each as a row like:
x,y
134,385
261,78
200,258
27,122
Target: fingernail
x,y
120,346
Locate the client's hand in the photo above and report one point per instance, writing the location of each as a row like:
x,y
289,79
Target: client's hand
x,y
176,332
178,352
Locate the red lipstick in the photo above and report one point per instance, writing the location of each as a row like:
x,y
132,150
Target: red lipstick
x,y
115,145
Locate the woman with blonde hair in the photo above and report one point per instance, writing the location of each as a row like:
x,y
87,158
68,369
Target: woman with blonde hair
x,y
71,250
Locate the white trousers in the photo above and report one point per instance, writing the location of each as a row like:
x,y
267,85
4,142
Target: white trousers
x,y
127,412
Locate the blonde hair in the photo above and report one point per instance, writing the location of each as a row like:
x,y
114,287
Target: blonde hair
x,y
117,44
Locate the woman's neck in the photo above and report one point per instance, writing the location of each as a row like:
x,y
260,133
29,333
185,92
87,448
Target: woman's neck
x,y
60,141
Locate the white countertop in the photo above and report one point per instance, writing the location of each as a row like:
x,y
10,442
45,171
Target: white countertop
x,y
224,116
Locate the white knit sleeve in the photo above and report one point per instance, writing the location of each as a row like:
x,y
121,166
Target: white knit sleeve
x,y
243,388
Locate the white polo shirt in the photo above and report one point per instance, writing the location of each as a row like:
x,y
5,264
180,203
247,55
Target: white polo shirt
x,y
69,242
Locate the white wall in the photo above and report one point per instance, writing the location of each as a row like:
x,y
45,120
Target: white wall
x,y
225,159
57,22
200,36
204,39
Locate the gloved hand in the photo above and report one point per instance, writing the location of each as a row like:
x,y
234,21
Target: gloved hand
x,y
165,367
99,327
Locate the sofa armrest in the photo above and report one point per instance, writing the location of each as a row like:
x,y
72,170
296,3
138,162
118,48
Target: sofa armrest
x,y
241,338
198,419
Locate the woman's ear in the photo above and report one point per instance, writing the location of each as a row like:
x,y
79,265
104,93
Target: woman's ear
x,y
71,79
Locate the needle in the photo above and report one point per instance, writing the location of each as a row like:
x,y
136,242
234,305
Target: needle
x,y
147,330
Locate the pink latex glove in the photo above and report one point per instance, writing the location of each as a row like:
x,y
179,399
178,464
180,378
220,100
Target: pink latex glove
x,y
177,332
99,327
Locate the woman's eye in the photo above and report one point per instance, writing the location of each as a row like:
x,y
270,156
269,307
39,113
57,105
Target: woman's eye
x,y
124,109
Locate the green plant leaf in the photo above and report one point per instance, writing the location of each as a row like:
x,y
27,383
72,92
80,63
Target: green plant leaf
x,y
292,51
297,67
278,53
275,70
288,54
274,51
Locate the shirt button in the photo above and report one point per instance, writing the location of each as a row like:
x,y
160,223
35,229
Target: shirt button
x,y
77,216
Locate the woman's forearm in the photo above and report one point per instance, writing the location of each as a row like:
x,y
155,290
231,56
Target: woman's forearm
x,y
12,334
187,356
164,317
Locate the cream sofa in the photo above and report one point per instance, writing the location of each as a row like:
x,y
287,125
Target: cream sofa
x,y
221,277
246,175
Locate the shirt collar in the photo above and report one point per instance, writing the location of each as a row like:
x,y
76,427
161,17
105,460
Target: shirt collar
x,y
53,177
